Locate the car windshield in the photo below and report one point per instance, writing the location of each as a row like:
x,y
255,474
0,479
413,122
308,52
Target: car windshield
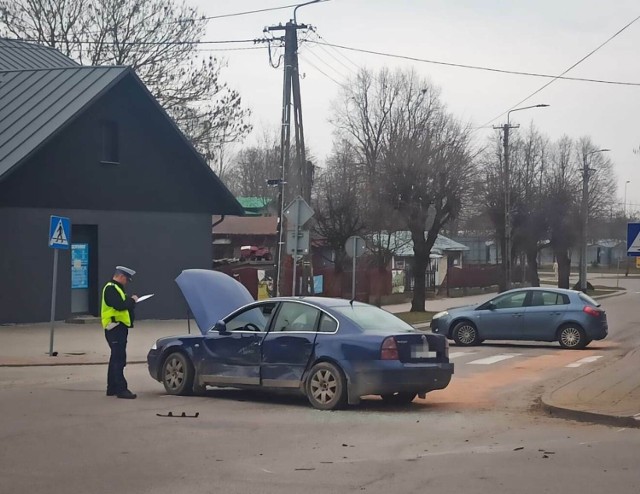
x,y
371,318
588,299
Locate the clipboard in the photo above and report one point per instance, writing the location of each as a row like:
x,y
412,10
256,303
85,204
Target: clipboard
x,y
144,297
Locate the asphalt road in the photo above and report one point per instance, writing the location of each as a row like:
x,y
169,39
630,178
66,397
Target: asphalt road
x,y
483,434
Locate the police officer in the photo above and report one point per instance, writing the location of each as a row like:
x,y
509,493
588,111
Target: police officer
x,y
117,314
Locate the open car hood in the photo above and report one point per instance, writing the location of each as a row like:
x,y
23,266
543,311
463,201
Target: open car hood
x,y
211,295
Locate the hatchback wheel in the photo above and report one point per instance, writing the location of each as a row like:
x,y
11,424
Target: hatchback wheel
x,y
465,334
177,374
326,387
572,337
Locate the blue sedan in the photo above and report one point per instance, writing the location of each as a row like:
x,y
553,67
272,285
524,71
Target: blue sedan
x,y
535,314
331,350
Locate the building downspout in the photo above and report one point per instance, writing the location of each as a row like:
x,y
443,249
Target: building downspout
x,y
218,222
212,234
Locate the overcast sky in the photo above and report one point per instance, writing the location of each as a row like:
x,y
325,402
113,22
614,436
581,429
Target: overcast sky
x,y
542,36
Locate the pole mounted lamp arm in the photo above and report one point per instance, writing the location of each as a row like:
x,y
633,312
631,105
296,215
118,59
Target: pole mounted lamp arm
x,y
302,5
542,105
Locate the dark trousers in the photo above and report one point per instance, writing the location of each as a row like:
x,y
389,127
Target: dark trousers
x,y
117,339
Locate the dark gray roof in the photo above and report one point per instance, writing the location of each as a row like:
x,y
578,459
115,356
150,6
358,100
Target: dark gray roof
x,y
402,245
35,104
42,91
21,55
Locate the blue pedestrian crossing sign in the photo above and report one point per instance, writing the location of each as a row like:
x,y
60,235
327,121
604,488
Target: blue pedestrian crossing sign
x,y
633,239
59,232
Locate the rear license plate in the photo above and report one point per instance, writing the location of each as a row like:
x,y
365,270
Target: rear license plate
x,y
422,351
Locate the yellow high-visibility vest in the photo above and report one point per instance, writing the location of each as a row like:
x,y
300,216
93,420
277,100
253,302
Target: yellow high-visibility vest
x,y
109,314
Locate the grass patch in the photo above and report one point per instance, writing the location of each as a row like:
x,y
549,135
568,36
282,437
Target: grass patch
x,y
415,317
597,293
607,288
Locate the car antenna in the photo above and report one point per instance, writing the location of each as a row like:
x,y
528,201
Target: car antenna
x,y
351,302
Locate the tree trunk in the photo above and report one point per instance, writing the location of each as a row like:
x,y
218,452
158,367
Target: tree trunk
x,y
419,290
564,267
501,283
532,261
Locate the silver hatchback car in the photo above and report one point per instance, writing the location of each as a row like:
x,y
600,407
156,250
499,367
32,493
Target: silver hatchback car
x,y
531,314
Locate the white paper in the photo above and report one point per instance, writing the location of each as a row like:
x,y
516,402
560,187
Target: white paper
x,y
144,297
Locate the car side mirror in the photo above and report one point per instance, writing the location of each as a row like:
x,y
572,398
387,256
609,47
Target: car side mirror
x,y
491,306
220,327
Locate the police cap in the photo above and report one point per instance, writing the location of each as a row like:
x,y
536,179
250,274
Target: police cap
x,y
128,272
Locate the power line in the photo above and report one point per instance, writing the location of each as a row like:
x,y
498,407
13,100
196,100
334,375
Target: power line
x,y
321,71
570,68
137,43
246,48
236,14
327,64
358,67
334,57
476,67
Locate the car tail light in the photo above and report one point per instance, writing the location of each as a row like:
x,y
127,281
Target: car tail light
x,y
592,311
389,349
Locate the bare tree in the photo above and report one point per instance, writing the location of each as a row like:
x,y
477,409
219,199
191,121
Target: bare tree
x,y
338,212
562,208
425,166
545,188
415,157
158,39
529,156
253,166
361,117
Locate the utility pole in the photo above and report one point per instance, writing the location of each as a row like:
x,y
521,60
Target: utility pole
x,y
585,221
303,171
585,218
506,255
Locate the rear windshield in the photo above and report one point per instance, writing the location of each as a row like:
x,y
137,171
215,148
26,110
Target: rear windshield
x,y
371,318
588,299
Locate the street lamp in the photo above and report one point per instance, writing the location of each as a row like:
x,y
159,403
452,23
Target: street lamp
x,y
585,217
506,256
625,198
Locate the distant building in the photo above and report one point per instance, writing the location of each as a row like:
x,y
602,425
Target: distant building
x,y
482,249
445,253
92,144
234,233
258,206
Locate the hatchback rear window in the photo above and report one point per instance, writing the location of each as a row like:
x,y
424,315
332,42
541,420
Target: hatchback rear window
x,y
588,299
371,318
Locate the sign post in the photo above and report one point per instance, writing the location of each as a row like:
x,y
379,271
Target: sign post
x,y
298,212
354,247
59,238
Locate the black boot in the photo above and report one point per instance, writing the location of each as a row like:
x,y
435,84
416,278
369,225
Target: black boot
x,y
127,395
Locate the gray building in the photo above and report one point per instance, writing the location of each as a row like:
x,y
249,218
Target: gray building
x,y
92,144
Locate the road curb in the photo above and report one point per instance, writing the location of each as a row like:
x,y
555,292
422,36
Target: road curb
x,y
610,295
547,404
584,416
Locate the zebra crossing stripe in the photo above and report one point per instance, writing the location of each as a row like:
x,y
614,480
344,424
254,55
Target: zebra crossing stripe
x,y
494,359
459,354
586,360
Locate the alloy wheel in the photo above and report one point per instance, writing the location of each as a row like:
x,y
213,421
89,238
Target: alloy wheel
x,y
174,373
467,334
324,386
570,337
